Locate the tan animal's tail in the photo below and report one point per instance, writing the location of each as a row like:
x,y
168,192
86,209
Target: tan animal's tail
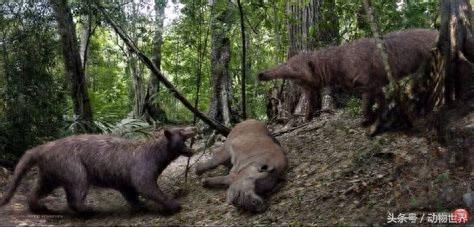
x,y
26,162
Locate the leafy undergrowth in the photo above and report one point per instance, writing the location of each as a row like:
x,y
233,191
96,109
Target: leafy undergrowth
x,y
337,175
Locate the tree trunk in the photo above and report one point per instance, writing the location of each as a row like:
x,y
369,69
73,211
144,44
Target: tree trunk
x,y
456,43
219,109
301,37
135,72
244,59
73,63
152,109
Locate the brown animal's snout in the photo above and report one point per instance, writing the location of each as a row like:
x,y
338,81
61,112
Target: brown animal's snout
x,y
188,152
188,132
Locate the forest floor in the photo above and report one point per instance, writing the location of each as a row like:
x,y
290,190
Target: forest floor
x,y
337,175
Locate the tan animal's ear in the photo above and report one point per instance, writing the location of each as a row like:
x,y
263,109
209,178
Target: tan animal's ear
x,y
266,168
168,134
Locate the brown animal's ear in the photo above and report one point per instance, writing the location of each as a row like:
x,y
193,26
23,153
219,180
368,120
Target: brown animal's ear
x,y
168,134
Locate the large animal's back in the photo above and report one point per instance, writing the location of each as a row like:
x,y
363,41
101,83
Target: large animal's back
x,y
251,139
407,50
107,155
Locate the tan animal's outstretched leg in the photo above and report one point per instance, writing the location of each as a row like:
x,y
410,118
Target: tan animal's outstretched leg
x,y
216,182
219,157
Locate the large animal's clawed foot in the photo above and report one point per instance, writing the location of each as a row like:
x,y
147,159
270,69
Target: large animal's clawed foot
x,y
86,212
138,208
40,209
374,129
172,206
367,121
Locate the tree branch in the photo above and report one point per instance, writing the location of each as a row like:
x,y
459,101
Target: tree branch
x,y
156,72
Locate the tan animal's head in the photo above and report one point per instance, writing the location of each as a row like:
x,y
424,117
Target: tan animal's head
x,y
249,184
176,140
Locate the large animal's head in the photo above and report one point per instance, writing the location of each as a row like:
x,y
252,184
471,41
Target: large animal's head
x,y
298,68
176,139
249,183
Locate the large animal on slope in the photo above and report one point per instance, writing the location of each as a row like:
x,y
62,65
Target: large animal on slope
x,y
76,162
358,66
258,163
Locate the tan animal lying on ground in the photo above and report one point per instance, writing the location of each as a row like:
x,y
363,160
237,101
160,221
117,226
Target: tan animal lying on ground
x,y
258,163
76,162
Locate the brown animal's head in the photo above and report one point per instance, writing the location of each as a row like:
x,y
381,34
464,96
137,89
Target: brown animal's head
x,y
249,184
176,140
298,68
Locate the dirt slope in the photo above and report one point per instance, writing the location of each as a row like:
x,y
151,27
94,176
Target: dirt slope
x,y
337,175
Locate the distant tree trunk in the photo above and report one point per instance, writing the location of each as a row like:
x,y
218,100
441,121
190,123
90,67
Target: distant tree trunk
x,y
327,35
219,109
153,109
244,60
73,63
86,33
302,37
456,45
135,72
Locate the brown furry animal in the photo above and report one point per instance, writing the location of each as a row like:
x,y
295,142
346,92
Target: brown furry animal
x,y
358,65
257,160
76,162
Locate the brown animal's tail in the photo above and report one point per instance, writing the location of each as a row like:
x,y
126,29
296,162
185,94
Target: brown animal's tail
x,y
26,162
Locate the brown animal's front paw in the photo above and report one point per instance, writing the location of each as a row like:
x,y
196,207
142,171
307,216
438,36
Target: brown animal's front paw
x,y
39,209
172,206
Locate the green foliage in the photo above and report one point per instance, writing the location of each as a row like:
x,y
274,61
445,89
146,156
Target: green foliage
x,y
33,97
109,83
353,106
128,127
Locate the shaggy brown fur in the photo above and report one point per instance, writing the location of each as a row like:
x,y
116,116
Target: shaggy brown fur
x,y
257,160
76,162
358,65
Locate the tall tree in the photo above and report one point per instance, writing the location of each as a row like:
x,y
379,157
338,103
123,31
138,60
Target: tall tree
x,y
73,64
456,43
133,65
152,108
219,108
244,59
303,17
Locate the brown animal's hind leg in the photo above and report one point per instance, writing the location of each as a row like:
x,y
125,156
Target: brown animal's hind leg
x,y
42,188
216,182
76,187
368,114
219,157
